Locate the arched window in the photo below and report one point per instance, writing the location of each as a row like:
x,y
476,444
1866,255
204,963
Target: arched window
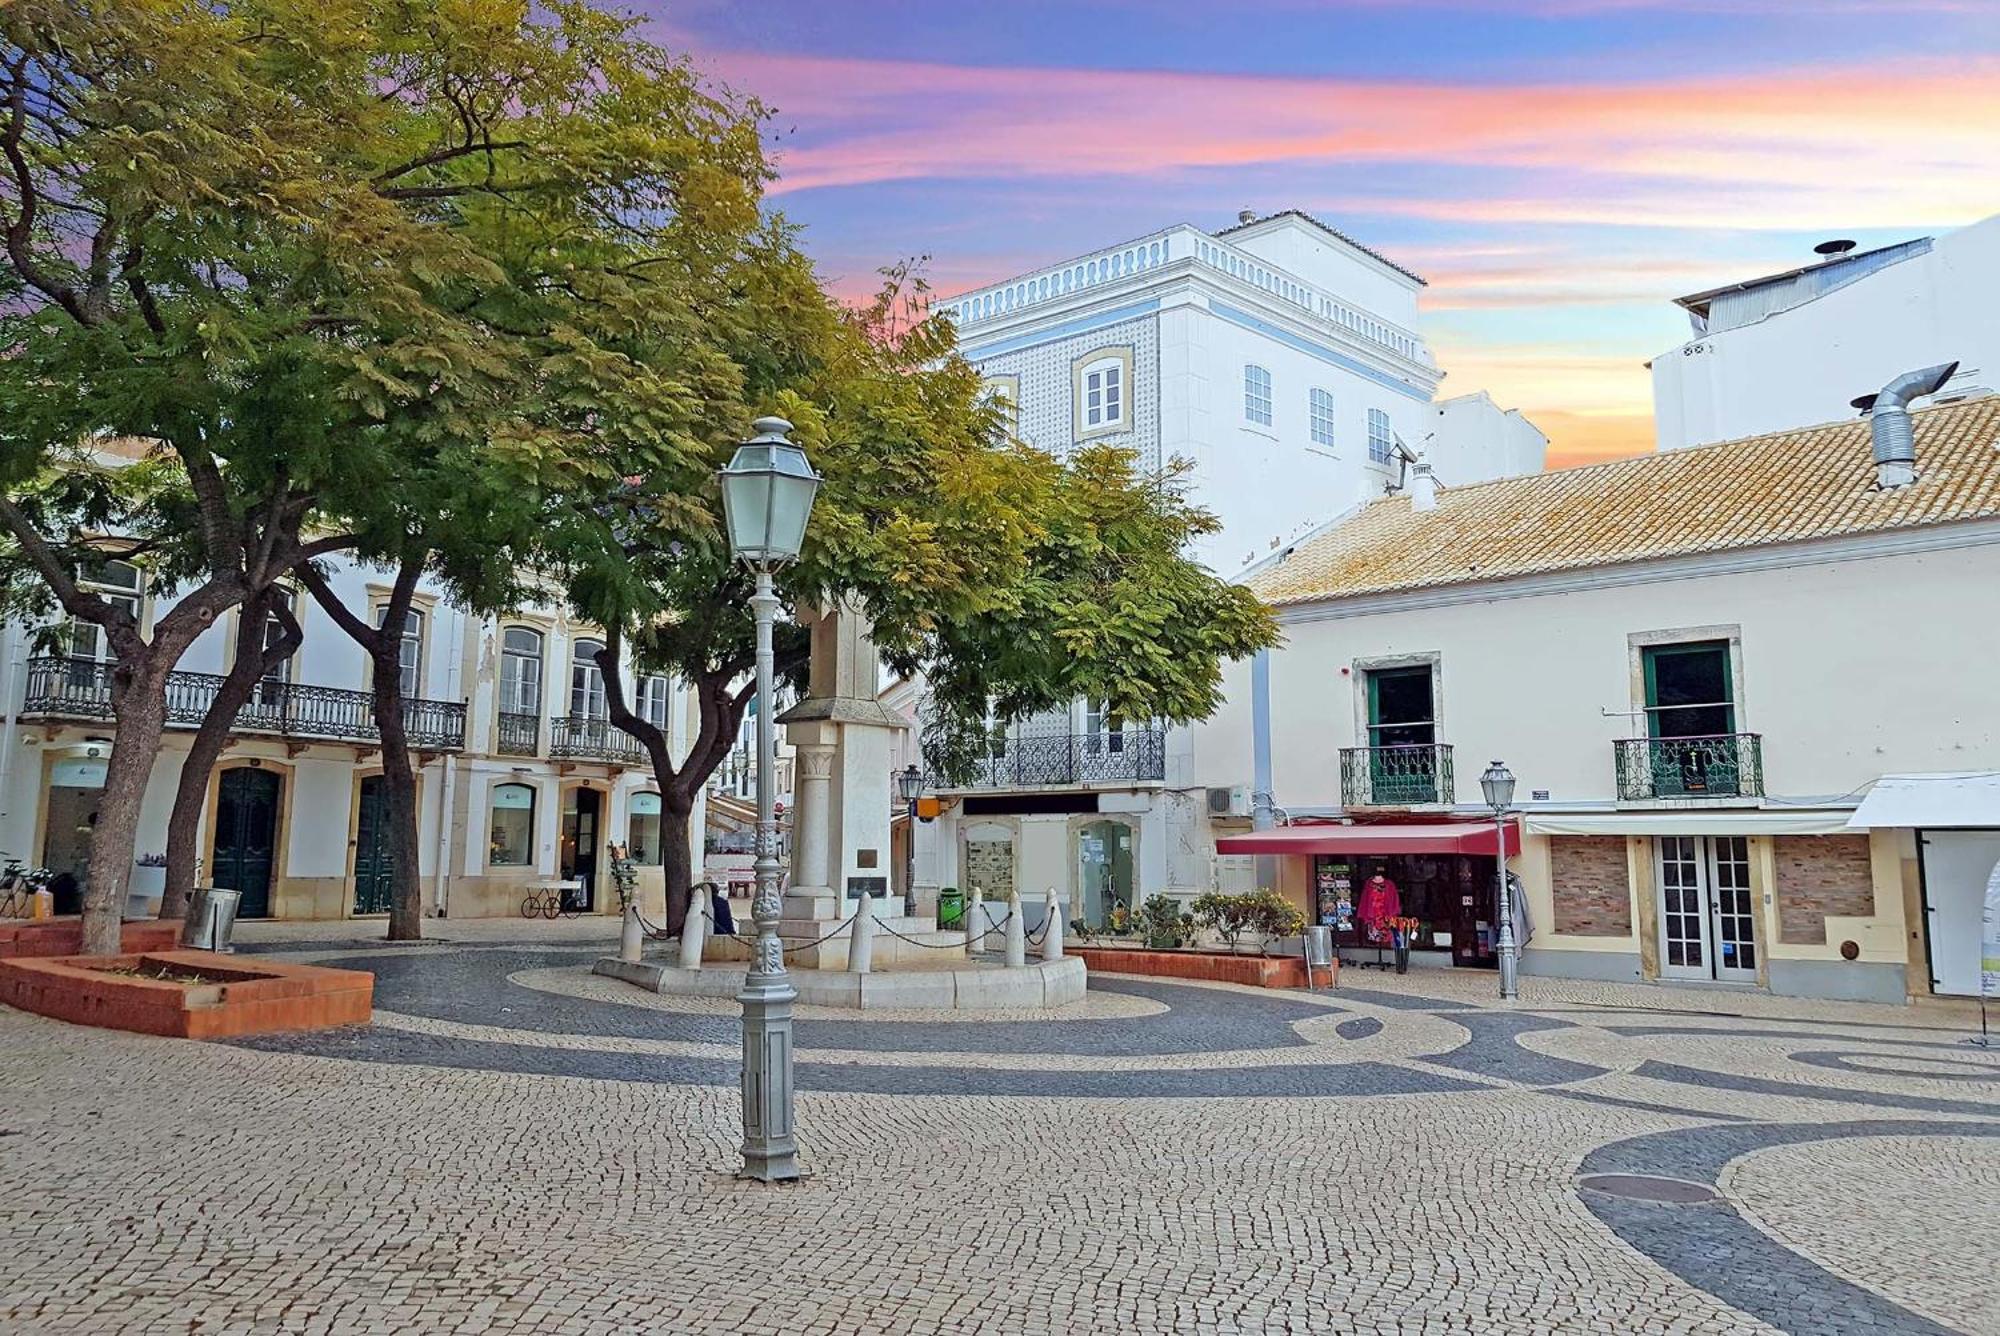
x,y
510,833
409,649
1379,436
520,671
1103,392
1257,395
1319,417
642,830
586,681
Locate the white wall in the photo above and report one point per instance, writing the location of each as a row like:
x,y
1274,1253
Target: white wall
x,y
1472,439
1801,367
1304,250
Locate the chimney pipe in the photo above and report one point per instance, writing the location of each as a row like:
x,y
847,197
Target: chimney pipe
x,y
1889,428
1246,215
1423,486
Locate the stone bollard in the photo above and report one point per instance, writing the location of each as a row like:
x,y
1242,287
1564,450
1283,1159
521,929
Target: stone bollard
x,y
694,930
861,938
975,922
631,937
1017,933
1052,936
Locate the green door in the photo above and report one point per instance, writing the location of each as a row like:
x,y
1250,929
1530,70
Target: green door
x,y
1691,720
246,836
1402,736
374,866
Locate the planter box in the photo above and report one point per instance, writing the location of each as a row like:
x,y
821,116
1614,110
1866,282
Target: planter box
x,y
229,998
64,937
1216,966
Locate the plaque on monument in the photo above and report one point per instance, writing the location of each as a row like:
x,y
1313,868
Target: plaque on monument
x,y
876,887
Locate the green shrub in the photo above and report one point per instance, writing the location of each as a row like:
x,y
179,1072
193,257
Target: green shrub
x,y
1264,912
1163,925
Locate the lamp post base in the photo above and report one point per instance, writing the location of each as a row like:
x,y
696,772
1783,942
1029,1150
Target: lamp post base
x,y
770,1146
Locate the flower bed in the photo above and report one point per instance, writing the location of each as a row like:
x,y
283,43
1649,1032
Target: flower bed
x,y
187,994
64,936
1217,966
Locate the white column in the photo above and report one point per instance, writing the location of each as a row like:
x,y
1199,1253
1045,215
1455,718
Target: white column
x,y
811,819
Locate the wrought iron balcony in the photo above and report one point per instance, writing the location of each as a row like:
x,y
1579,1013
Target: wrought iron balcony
x,y
588,738
1725,765
75,688
1401,776
1130,756
518,734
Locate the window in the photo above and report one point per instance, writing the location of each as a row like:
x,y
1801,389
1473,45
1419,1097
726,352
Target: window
x,y
653,700
1257,395
642,831
270,691
1380,440
1005,394
410,650
586,681
1103,731
1103,392
510,832
520,671
118,583
1319,417
1688,690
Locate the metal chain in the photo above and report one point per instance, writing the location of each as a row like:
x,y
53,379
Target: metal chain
x,y
938,946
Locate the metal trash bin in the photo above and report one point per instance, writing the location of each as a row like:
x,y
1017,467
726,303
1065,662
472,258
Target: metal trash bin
x,y
1319,946
951,907
211,918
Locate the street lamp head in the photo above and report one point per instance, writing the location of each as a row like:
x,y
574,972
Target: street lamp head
x,y
910,783
1498,786
767,496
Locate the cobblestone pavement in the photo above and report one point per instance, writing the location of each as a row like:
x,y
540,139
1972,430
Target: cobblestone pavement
x,y
517,1146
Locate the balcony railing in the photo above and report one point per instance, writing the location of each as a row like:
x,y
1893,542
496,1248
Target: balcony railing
x,y
72,688
587,738
1400,776
1131,756
1725,765
518,734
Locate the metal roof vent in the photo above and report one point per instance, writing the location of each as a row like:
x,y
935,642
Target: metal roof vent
x,y
1246,215
1833,250
1890,431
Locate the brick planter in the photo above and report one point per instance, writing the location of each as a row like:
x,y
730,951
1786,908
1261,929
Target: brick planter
x,y
1217,966
64,936
230,999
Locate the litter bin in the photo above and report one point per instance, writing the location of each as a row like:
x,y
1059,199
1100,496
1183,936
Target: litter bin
x,y
951,907
1319,946
211,918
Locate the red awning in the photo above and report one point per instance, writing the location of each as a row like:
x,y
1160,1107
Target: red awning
x,y
1441,837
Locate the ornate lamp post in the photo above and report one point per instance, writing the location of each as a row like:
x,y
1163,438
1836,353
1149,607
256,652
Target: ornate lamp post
x,y
910,783
767,496
1498,786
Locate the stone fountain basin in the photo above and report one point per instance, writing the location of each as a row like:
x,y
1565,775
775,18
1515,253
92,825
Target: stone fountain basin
x,y
952,985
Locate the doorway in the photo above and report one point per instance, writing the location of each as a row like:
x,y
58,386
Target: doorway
x,y
1956,865
76,789
1691,719
1402,736
1105,865
582,809
374,863
246,836
1708,915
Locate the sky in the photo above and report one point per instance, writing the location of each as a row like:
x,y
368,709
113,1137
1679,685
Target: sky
x,y
1558,170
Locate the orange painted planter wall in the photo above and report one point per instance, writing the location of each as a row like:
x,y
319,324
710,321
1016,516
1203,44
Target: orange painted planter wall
x,y
64,937
1257,971
246,999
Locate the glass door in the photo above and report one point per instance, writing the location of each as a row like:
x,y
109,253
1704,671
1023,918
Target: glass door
x,y
1708,913
1733,910
1402,736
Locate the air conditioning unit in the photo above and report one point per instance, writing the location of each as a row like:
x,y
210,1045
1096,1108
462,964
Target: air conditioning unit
x,y
1232,801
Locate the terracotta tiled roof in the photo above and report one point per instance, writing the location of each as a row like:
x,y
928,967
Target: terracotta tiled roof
x,y
1817,482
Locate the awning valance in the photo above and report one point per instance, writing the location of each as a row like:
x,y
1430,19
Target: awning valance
x,y
1440,837
1763,821
1938,801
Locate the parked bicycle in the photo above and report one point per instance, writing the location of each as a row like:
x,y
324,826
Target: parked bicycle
x,y
548,902
18,885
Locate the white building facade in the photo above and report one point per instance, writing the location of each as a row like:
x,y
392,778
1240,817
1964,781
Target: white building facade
x,y
521,778
1792,349
1281,360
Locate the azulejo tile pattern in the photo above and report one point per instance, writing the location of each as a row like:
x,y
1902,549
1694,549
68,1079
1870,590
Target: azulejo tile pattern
x,y
513,1147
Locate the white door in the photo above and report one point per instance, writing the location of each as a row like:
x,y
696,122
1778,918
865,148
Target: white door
x,y
1957,864
1708,915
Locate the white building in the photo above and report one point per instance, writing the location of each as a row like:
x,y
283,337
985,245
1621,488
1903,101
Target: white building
x,y
521,778
1792,349
1278,356
1282,360
1747,692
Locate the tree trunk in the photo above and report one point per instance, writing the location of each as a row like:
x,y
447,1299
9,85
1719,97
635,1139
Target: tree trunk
x,y
254,661
141,709
676,857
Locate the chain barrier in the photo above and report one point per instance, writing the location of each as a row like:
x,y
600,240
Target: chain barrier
x,y
941,946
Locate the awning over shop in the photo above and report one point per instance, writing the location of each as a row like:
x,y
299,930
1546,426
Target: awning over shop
x,y
1442,837
1760,822
1939,801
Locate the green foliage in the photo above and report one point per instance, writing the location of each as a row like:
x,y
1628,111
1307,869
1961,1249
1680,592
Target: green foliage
x,y
1265,912
1162,924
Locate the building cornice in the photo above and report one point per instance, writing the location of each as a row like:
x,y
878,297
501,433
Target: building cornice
x,y
1815,552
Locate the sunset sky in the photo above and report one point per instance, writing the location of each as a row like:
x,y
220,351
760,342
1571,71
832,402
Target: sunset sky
x,y
1558,169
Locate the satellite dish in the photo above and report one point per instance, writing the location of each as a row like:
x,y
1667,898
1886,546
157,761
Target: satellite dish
x,y
1833,249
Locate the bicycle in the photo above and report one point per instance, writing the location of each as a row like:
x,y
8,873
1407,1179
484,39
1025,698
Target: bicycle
x,y
18,887
547,902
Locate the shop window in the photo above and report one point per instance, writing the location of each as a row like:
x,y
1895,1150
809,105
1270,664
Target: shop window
x,y
511,826
642,830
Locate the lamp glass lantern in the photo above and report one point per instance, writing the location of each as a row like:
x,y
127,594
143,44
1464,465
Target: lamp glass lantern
x,y
1498,786
767,495
910,783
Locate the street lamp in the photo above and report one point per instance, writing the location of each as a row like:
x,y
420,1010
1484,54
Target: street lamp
x,y
910,783
767,495
1498,786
